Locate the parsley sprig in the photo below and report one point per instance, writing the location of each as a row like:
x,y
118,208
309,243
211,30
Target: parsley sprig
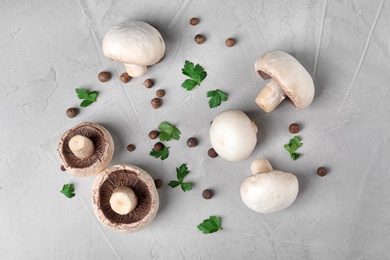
x,y
216,97
195,72
68,190
181,172
162,154
168,132
88,97
210,225
292,146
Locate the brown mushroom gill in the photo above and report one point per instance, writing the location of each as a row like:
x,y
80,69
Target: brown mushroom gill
x,y
96,136
129,179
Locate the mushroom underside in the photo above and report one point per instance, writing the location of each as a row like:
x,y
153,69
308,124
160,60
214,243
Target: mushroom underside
x,y
96,136
130,179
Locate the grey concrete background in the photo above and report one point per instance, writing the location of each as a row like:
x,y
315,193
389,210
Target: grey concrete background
x,y
49,48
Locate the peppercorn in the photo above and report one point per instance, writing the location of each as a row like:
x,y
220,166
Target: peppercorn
x,y
156,103
158,147
207,194
153,134
322,171
230,42
148,83
131,147
72,112
212,153
192,142
160,93
158,183
125,77
293,128
194,21
104,76
63,168
199,39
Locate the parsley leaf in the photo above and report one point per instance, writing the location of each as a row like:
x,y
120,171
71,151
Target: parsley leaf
x,y
292,146
88,97
181,172
210,225
168,132
162,154
216,97
68,190
195,72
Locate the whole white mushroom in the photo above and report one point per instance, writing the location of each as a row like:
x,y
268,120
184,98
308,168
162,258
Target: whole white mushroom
x,y
135,43
233,135
268,190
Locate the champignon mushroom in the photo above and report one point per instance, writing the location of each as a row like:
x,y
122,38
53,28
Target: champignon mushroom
x,y
85,149
135,43
288,79
124,198
233,135
268,190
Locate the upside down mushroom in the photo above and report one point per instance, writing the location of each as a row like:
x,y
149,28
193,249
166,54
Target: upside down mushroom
x,y
288,78
135,43
268,190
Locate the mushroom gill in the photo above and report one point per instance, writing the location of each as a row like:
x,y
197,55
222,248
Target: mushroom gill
x,y
130,179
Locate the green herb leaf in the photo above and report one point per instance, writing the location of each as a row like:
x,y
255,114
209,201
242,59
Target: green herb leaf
x,y
68,190
181,172
195,72
216,97
292,146
88,97
186,186
162,154
210,225
173,184
168,132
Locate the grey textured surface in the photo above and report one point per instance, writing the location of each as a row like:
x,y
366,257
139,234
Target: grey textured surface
x,y
49,48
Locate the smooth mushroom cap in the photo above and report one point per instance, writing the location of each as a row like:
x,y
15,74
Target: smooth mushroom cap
x,y
104,150
233,135
290,75
144,188
134,43
269,192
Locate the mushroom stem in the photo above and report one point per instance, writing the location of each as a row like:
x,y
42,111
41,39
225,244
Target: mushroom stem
x,y
82,146
261,166
135,70
270,96
123,200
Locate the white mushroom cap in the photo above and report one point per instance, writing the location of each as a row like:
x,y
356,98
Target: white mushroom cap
x,y
103,150
135,43
233,135
289,75
144,189
269,191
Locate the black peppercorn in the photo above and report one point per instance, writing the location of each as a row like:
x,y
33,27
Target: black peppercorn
x,y
192,142
212,153
207,194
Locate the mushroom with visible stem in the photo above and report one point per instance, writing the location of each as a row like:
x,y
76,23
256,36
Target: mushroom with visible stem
x,y
233,135
135,43
268,190
288,78
125,198
86,149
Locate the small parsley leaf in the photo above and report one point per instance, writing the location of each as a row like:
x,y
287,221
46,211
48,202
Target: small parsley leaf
x,y
88,97
162,154
181,172
292,146
195,72
210,225
216,98
68,190
168,132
